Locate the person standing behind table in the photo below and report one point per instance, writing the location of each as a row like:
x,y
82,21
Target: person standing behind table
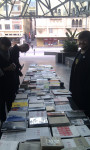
x,y
80,74
14,53
7,79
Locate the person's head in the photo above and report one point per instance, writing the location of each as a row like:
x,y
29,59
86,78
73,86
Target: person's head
x,y
84,40
5,43
24,47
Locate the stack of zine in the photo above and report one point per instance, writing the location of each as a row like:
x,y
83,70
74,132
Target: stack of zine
x,y
42,116
16,121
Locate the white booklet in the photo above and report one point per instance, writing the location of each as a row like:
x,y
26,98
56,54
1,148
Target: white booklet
x,y
65,131
88,139
29,134
14,136
69,143
33,145
83,130
64,107
36,133
8,145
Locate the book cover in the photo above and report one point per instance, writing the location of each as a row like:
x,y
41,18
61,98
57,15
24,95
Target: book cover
x,y
65,107
37,105
75,114
15,119
88,140
76,148
38,122
83,130
61,103
14,136
51,143
36,133
30,146
81,141
13,126
35,114
19,104
65,131
69,143
58,121
46,97
20,109
61,99
8,145
50,108
80,121
61,92
56,114
17,113
21,96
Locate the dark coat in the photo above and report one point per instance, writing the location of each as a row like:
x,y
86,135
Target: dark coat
x,y
80,80
14,54
7,84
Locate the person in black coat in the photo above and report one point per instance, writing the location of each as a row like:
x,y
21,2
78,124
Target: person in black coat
x,y
14,54
7,78
80,74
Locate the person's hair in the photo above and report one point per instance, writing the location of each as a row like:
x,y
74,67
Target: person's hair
x,y
5,41
26,45
84,35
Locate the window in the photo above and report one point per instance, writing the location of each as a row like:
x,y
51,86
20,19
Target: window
x,y
50,30
73,23
76,23
16,26
0,26
7,26
80,23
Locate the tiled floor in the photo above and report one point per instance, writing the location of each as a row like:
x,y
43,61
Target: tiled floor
x,y
61,70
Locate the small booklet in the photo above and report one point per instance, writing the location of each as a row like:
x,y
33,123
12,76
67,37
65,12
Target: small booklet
x,y
58,121
13,126
8,145
33,145
51,143
65,131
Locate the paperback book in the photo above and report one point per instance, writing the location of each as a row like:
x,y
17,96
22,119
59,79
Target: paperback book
x,y
13,126
51,143
38,122
65,131
58,121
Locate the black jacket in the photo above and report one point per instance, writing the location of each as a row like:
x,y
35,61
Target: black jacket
x,y
80,80
7,81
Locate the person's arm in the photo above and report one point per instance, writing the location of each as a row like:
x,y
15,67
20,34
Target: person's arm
x,y
11,67
14,53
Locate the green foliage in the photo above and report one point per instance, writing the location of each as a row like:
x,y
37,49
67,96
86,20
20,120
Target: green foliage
x,y
70,44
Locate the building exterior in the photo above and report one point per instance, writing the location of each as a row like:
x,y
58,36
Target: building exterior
x,y
51,31
14,28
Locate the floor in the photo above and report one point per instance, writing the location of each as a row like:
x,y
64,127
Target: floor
x,y
62,70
